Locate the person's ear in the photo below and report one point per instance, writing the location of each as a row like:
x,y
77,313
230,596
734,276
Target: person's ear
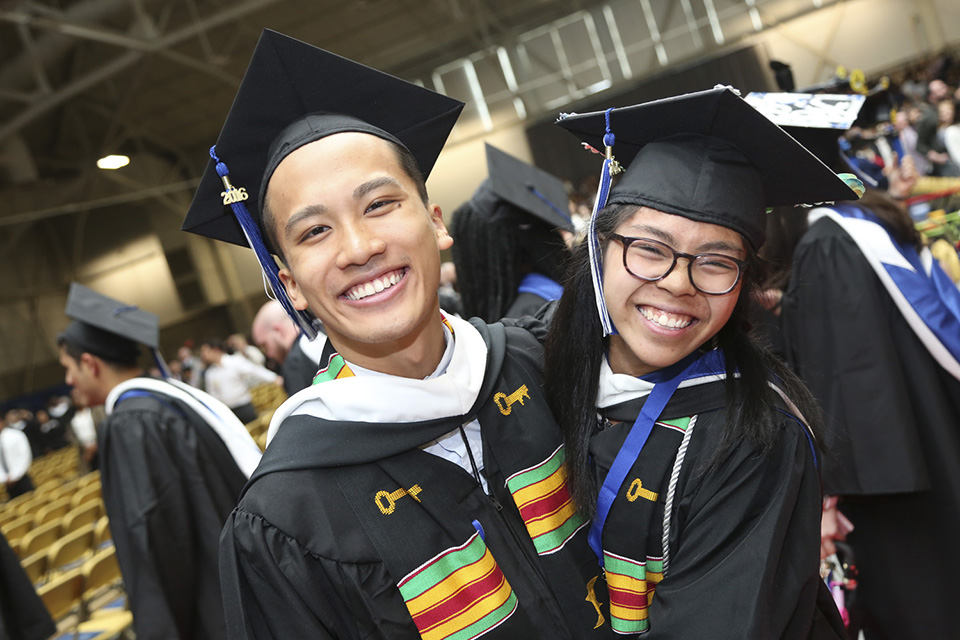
x,y
90,364
294,292
444,240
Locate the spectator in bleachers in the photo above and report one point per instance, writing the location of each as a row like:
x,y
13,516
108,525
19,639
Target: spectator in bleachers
x,y
238,342
229,378
53,434
84,427
24,421
172,462
191,366
15,458
275,333
928,125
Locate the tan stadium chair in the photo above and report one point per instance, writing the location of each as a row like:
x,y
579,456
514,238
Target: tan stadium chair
x,y
84,480
30,507
49,487
62,594
35,566
101,532
7,516
85,514
102,579
52,511
18,528
70,548
39,538
87,494
14,503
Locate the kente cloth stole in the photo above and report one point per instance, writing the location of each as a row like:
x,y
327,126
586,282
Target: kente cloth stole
x,y
632,537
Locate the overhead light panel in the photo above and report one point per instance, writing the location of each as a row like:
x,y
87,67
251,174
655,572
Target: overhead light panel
x,y
113,162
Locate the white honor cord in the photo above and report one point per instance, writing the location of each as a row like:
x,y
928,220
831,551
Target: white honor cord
x,y
671,490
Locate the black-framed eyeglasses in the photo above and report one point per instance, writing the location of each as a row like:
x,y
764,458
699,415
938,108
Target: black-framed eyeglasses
x,y
711,273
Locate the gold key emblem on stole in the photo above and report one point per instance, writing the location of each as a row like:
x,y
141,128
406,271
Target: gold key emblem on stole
x,y
636,490
505,402
387,500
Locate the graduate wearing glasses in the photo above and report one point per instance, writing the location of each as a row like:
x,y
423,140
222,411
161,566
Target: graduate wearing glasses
x,y
687,443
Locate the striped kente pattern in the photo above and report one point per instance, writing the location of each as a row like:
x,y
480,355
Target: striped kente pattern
x,y
631,585
541,494
459,594
336,368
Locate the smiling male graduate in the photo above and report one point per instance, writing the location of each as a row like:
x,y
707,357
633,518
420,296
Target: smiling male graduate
x,y
417,488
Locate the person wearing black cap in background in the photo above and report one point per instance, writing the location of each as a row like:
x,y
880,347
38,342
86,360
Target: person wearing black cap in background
x,y
508,245
872,324
416,489
701,472
172,462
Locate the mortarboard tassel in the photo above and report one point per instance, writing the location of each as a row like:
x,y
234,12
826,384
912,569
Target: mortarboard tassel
x,y
161,364
271,273
610,168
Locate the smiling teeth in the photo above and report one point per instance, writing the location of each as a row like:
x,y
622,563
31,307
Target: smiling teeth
x,y
361,291
664,321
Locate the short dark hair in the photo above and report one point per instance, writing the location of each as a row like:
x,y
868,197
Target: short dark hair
x,y
408,164
214,343
75,351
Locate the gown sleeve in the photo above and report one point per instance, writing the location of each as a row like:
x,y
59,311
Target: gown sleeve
x,y
744,547
851,363
148,510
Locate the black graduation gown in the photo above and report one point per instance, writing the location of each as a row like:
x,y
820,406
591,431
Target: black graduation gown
x,y
892,435
346,528
297,370
169,484
525,304
744,529
22,614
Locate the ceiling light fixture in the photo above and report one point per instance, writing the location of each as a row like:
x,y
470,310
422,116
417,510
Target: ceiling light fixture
x,y
113,162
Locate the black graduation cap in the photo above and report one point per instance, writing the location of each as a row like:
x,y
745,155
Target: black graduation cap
x,y
294,93
108,328
528,188
708,156
815,120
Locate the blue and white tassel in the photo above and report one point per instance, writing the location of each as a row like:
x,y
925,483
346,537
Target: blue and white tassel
x,y
271,273
610,168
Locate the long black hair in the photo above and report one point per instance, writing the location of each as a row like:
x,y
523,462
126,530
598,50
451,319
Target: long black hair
x,y
571,375
494,246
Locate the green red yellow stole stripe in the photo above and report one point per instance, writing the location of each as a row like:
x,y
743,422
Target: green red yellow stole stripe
x,y
338,368
459,594
548,512
631,585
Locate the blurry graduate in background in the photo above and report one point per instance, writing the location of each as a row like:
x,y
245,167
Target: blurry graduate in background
x,y
172,461
509,247
872,325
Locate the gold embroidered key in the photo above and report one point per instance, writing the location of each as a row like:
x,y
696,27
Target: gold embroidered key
x,y
636,490
505,402
387,501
